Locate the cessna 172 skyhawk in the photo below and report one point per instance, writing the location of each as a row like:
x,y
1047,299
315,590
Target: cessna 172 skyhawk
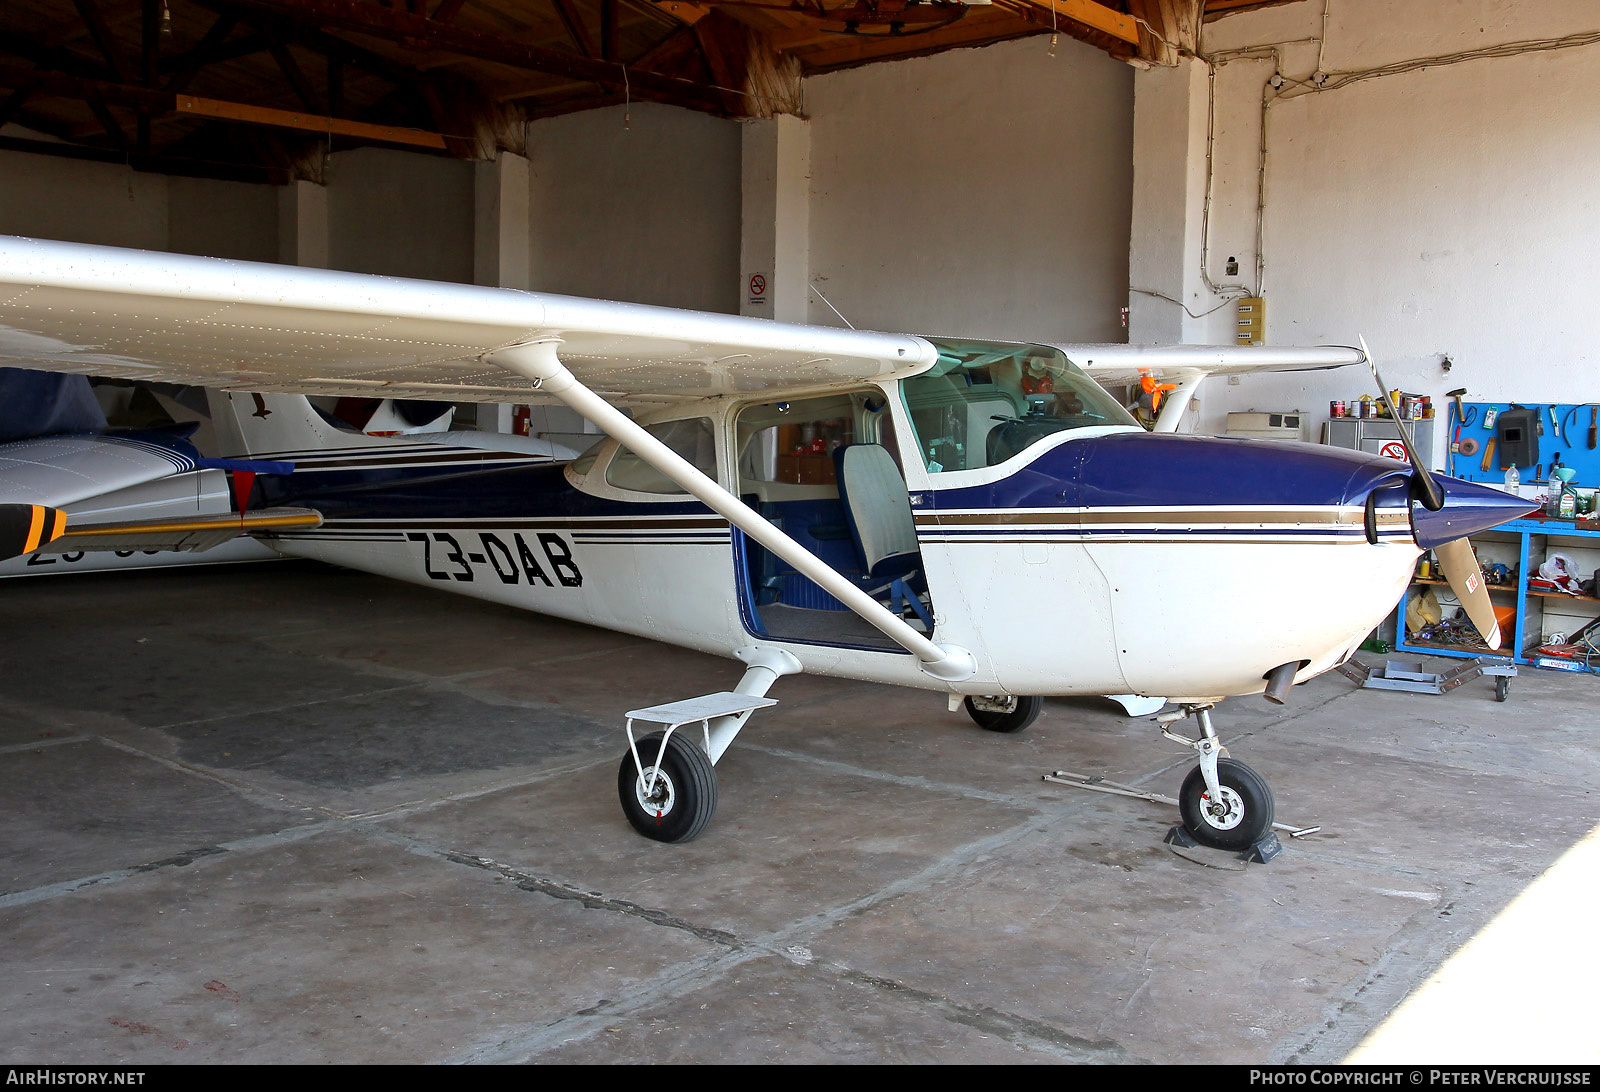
x,y
970,517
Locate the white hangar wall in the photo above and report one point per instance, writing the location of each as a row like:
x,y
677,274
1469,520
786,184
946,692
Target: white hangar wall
x,y
1438,211
400,214
83,201
637,203
383,211
982,192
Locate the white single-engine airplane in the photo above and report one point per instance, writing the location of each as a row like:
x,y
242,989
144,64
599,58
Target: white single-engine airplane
x,y
971,517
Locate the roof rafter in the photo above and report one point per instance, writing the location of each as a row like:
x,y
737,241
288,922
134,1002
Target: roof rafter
x,y
418,32
95,21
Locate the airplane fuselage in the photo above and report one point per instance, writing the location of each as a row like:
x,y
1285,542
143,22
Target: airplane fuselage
x,y
1098,561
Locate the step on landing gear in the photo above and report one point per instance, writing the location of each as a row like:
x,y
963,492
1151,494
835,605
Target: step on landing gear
x,y
667,782
1224,804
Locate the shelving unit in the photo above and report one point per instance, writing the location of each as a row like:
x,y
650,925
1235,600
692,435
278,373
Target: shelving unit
x,y
1533,539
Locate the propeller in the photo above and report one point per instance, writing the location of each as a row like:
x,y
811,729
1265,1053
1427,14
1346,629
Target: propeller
x,y
1460,567
1456,558
26,527
1423,487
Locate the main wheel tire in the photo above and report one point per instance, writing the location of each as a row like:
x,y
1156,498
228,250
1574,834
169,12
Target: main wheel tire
x,y
1244,815
683,796
1024,713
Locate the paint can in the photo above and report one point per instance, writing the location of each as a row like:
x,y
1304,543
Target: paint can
x,y
1336,408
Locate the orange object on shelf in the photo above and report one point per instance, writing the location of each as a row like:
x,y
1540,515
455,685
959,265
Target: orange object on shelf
x,y
1507,617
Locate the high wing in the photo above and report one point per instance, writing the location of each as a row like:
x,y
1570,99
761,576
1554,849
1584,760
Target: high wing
x,y
1184,366
245,326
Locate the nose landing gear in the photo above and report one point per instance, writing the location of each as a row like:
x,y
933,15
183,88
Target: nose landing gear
x,y
1224,804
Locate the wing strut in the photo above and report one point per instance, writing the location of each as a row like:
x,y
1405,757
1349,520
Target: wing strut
x,y
1176,402
538,361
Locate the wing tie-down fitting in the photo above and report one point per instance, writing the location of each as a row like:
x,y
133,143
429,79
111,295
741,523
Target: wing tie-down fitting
x,y
539,362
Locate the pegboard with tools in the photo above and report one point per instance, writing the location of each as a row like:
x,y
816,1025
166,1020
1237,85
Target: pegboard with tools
x,y
1488,437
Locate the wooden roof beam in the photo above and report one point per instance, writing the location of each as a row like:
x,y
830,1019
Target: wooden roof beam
x,y
54,58
418,32
575,27
311,123
682,10
102,38
297,78
1085,13
13,105
186,66
301,34
1168,28
97,94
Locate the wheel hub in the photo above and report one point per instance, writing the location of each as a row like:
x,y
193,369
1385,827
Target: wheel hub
x,y
661,797
1224,813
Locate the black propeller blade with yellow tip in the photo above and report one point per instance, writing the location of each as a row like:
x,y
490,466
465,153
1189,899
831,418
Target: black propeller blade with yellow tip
x,y
26,527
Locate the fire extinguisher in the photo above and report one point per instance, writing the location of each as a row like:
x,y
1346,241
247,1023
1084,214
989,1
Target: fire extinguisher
x,y
522,420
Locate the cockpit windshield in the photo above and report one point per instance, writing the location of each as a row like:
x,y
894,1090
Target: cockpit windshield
x,y
986,401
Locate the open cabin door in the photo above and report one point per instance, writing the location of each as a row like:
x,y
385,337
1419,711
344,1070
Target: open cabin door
x,y
827,471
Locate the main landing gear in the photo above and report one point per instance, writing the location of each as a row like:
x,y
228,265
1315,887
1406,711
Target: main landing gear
x,y
1224,804
667,782
1003,714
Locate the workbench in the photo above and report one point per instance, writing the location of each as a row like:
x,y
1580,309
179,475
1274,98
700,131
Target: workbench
x,y
1530,540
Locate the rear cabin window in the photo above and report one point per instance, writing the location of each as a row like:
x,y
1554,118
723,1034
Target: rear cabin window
x,y
692,438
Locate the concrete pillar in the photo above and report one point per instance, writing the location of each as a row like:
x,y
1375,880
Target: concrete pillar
x,y
1169,180
303,224
501,242
775,232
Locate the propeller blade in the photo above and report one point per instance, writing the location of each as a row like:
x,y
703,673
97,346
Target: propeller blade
x,y
26,527
1427,490
1460,567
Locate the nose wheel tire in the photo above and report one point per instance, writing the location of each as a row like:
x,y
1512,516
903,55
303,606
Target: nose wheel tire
x,y
1023,711
681,798
1240,819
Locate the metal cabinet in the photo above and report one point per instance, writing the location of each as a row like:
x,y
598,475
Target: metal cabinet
x,y
1377,435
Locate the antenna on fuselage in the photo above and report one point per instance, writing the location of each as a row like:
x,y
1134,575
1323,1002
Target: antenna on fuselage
x,y
831,307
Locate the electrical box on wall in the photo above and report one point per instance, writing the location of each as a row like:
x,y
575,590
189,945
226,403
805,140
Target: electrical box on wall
x,y
1252,321
1267,426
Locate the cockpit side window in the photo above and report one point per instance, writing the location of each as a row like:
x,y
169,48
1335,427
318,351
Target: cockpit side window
x,y
692,437
984,402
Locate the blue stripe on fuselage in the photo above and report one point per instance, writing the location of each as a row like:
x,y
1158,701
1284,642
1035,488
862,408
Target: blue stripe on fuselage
x,y
1136,469
503,491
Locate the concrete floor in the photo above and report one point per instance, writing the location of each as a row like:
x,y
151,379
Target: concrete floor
x,y
284,813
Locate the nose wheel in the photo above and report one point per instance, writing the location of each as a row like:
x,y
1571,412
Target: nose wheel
x,y
1236,816
1224,804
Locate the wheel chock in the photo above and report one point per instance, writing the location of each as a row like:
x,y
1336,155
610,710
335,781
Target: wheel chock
x,y
1179,836
1264,850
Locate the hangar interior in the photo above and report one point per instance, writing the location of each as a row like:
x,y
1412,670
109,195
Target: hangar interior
x,y
1032,170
